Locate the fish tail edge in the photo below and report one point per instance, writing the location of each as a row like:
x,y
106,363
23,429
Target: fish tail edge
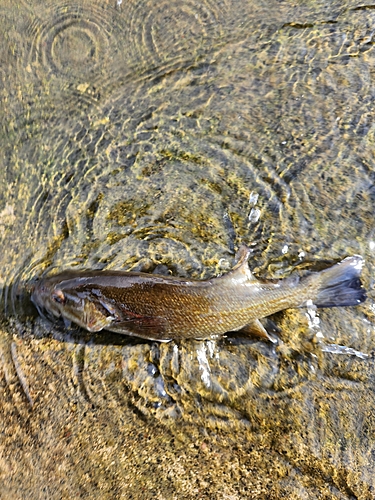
x,y
340,285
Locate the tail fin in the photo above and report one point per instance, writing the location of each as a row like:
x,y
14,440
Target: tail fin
x,y
340,284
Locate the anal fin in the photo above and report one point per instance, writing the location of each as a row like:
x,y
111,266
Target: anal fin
x,y
257,329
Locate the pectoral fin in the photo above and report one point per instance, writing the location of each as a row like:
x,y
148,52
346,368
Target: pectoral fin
x,y
152,328
256,328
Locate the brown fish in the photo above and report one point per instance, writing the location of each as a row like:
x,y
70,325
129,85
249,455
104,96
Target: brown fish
x,y
163,308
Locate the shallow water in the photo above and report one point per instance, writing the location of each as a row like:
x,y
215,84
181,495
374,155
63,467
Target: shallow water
x,y
159,136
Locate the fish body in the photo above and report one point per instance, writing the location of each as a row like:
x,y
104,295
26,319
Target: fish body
x,y
163,308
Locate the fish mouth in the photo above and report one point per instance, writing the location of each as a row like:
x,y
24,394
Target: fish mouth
x,y
45,311
30,286
41,298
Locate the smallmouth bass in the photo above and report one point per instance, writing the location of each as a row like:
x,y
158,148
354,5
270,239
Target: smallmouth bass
x,y
163,308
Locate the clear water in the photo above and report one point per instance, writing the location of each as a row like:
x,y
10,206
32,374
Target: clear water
x,y
149,135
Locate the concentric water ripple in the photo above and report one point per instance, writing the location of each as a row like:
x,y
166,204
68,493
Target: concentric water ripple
x,y
77,51
92,48
166,33
70,44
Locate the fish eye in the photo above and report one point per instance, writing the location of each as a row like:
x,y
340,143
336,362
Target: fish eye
x,y
58,297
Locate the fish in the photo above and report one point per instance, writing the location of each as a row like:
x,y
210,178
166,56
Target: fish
x,y
165,308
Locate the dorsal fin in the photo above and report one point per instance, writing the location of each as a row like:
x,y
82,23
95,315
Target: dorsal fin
x,y
241,269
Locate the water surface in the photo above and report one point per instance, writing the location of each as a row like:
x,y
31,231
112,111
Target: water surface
x,y
158,136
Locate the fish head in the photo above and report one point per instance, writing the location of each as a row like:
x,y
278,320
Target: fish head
x,y
53,299
58,298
